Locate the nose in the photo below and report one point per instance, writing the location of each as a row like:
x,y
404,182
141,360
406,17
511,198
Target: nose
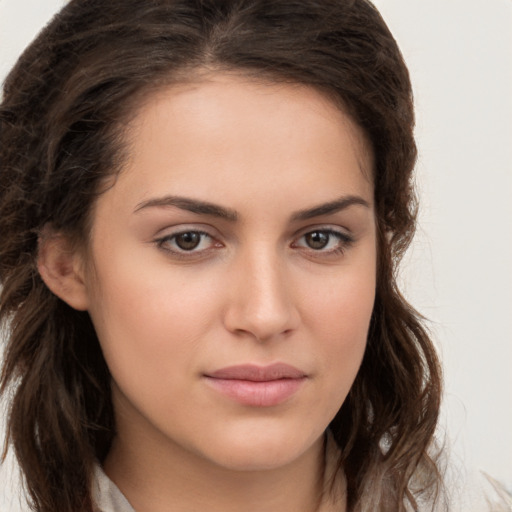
x,y
261,303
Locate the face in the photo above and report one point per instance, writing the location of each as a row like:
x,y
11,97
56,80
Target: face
x,y
231,271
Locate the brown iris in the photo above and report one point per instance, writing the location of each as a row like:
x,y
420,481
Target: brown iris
x,y
317,239
188,241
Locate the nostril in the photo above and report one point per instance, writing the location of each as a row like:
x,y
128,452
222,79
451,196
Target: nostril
x,y
261,327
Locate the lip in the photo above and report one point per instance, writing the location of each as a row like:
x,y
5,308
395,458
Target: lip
x,y
257,386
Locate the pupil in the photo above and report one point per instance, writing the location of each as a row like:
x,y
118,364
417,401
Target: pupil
x,y
317,239
188,241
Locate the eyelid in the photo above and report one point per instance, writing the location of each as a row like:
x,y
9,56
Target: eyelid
x,y
176,229
344,233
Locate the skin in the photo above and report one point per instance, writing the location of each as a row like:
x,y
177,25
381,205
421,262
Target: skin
x,y
253,291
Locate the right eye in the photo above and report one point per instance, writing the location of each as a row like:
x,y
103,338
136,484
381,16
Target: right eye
x,y
190,241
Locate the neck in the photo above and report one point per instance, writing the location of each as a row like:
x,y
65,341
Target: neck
x,y
181,481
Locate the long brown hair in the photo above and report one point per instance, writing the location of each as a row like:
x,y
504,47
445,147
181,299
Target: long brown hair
x,y
61,133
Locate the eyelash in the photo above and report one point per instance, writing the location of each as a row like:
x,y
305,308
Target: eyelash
x,y
344,242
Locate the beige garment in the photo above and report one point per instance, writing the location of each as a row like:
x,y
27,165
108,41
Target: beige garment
x,y
106,496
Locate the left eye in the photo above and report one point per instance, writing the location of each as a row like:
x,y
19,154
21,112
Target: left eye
x,y
186,241
325,240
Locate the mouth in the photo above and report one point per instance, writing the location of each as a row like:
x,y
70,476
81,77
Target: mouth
x,y
257,386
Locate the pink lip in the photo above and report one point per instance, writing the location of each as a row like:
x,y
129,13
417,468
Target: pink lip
x,y
257,386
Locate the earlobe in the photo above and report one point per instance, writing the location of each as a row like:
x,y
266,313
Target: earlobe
x,y
61,267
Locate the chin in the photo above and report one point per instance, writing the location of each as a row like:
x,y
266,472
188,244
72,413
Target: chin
x,y
260,452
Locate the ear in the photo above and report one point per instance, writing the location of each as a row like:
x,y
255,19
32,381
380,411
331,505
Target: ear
x,y
61,266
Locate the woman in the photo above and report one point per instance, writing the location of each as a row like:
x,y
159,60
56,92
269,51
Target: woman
x,y
202,209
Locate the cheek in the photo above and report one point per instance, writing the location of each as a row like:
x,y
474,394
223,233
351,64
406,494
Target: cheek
x,y
340,316
343,304
143,320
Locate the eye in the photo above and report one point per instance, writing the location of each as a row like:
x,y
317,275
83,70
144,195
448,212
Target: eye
x,y
186,241
324,241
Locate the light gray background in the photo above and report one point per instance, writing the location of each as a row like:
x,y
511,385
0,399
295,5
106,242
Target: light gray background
x,y
459,271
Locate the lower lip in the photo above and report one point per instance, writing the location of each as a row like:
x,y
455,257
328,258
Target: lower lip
x,y
257,394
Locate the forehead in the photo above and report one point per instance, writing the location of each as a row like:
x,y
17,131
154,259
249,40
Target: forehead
x,y
226,133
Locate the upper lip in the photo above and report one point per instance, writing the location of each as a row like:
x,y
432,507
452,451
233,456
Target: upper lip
x,y
255,373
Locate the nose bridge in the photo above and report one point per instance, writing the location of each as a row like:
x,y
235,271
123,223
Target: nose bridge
x,y
262,303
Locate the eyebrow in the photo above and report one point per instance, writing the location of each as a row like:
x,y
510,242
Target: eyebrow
x,y
329,208
214,210
190,205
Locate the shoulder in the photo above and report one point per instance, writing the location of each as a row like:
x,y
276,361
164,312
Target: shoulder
x,y
464,489
460,489
477,492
